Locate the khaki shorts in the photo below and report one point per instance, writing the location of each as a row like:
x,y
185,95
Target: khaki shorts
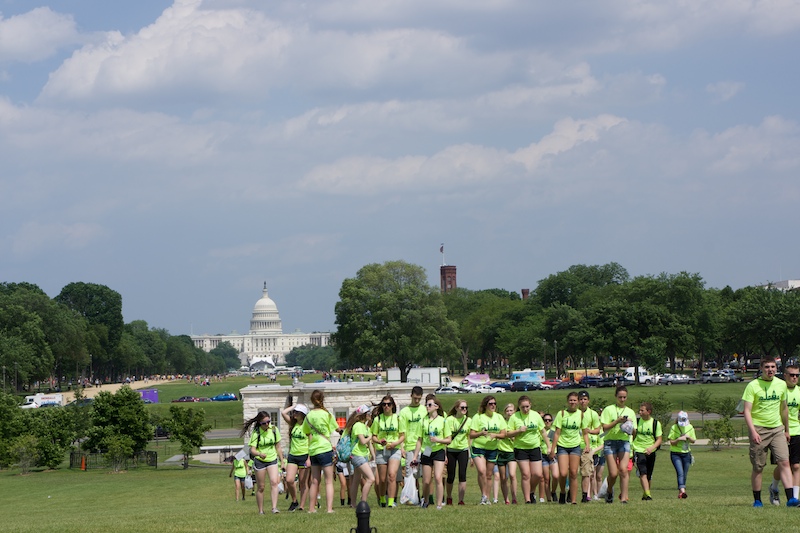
x,y
771,439
587,464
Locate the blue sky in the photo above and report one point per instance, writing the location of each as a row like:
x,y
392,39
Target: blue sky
x,y
185,152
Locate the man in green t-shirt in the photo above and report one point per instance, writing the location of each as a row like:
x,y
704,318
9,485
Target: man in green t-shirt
x,y
411,426
591,426
767,416
791,373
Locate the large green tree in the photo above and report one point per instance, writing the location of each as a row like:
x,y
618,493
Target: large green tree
x,y
119,415
389,313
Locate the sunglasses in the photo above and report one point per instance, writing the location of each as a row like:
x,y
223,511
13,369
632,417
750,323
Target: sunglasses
x,y
548,419
431,404
793,375
387,404
264,422
491,403
463,407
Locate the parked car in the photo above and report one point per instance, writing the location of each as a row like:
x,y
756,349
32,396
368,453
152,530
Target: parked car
x,y
732,376
160,433
225,397
520,386
566,384
505,385
202,399
677,379
550,383
447,390
714,377
183,399
487,389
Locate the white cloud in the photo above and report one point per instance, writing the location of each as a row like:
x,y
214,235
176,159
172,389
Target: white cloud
x,y
722,91
36,237
35,35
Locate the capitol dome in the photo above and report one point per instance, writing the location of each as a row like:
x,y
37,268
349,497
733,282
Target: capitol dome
x,y
265,315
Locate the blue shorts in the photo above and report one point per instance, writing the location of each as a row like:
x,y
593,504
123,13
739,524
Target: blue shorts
x,y
382,457
358,460
599,460
561,450
489,455
322,459
616,447
299,460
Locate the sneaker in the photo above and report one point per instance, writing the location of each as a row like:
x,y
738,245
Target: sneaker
x,y
438,507
507,502
460,503
562,498
541,500
494,501
424,505
610,497
758,503
774,496
292,506
275,510
793,502
646,498
683,496
623,501
393,505
513,501
484,500
449,501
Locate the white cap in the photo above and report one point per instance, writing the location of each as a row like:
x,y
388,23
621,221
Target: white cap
x,y
683,418
301,408
363,409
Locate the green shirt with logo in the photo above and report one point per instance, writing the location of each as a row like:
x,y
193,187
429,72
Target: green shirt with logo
x,y
645,435
437,428
493,424
359,449
793,401
411,425
766,398
298,440
613,412
459,432
675,432
264,440
386,427
532,437
571,425
319,424
591,420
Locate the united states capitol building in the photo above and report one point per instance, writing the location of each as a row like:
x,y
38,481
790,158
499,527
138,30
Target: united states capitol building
x,y
266,345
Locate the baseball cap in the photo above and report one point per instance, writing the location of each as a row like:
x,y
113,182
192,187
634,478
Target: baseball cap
x,y
363,409
583,394
301,408
683,418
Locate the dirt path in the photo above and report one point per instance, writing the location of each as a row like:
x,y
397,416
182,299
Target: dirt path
x,y
91,392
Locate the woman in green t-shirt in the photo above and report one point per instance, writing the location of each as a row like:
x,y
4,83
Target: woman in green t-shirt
x,y
487,428
433,441
239,471
458,450
527,430
357,428
388,443
507,461
297,461
618,423
567,446
318,425
681,436
265,449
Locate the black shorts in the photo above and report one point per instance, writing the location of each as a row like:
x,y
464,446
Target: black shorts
x,y
299,460
533,454
794,451
644,463
428,460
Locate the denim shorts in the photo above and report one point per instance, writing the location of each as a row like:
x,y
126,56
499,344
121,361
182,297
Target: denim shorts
x,y
489,455
561,450
322,459
615,447
599,460
382,457
358,460
546,461
299,460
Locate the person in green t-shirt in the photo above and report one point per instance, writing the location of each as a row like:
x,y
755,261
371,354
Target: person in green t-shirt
x,y
239,471
567,445
410,418
507,461
297,463
766,414
458,455
487,428
646,442
267,454
618,422
361,441
433,442
388,443
319,424
790,374
527,428
681,435
591,427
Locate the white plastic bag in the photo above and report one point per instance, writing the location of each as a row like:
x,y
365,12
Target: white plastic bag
x,y
248,483
409,496
281,490
603,487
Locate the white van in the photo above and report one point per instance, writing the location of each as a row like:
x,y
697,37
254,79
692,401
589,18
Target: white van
x,y
645,377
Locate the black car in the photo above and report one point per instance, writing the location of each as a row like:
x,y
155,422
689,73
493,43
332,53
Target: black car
x,y
566,384
521,386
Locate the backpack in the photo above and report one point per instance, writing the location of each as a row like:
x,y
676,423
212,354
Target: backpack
x,y
344,448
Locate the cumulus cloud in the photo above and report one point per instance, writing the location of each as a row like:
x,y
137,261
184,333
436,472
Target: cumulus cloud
x,y
36,35
723,91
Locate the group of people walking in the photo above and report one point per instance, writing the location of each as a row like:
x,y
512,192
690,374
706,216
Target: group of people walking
x,y
384,448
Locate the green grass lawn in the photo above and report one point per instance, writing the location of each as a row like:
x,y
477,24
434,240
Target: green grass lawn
x,y
201,499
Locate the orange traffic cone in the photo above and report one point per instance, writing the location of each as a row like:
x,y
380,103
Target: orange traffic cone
x,y
83,462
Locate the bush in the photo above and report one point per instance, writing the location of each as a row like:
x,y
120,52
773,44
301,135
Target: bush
x,y
726,407
720,432
25,452
120,448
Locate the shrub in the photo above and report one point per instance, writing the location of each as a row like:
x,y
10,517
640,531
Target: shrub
x,y
720,432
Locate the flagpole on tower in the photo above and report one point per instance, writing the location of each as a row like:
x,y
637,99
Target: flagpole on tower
x,y
441,251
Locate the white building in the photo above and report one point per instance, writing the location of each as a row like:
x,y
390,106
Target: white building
x,y
266,345
785,285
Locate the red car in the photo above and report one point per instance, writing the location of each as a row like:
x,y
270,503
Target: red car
x,y
550,383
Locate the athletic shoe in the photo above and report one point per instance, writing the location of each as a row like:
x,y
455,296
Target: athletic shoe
x,y
392,505
646,498
494,501
774,496
793,502
530,502
460,503
507,502
623,501
449,501
292,506
424,505
541,500
682,495
610,497
438,507
758,503
484,500
513,501
562,498
275,510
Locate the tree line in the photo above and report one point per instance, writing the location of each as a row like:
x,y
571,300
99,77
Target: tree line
x,y
80,334
587,315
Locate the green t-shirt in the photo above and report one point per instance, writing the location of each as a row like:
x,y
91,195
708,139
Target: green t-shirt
x,y
239,469
532,437
591,420
675,432
766,397
298,441
386,427
793,401
434,428
324,424
645,436
264,441
494,424
459,433
597,441
611,413
411,425
571,425
361,450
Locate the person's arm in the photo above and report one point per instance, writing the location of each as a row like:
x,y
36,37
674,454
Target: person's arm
x,y
233,466
785,418
285,414
748,419
554,443
279,451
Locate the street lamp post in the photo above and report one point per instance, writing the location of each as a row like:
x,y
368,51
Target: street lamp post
x,y
544,356
555,346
